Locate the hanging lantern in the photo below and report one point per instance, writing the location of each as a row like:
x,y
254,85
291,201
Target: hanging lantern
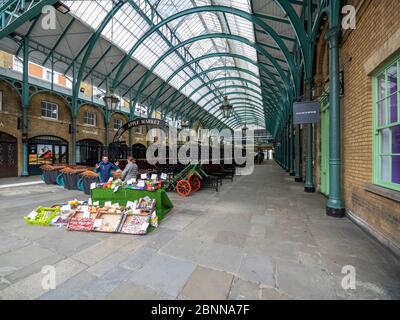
x,y
111,101
226,108
185,124
244,129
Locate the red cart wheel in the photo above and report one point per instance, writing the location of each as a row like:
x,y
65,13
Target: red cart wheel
x,y
183,188
195,183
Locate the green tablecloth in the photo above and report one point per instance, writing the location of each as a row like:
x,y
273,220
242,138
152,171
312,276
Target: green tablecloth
x,y
122,196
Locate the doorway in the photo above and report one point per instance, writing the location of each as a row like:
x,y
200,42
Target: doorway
x,y
8,156
88,152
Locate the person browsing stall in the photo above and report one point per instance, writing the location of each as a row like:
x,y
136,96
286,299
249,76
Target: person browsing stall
x,y
131,170
105,169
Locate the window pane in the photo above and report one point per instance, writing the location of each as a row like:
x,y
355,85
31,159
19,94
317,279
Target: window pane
x,y
381,87
396,140
396,169
385,167
385,142
381,113
392,79
393,108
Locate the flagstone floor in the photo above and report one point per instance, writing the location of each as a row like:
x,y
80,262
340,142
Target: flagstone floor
x,y
260,237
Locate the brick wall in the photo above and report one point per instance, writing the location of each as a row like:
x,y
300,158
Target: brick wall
x,y
38,125
380,213
362,51
10,114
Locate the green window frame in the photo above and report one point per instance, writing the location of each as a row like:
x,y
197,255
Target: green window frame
x,y
386,125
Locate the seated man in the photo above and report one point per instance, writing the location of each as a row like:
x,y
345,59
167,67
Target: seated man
x,y
105,168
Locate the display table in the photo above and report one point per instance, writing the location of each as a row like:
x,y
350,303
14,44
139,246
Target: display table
x,y
122,196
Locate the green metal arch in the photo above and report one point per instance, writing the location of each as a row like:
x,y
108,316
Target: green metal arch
x,y
212,70
265,103
88,52
218,105
234,86
224,87
240,104
259,106
288,56
250,89
212,55
249,108
209,36
231,93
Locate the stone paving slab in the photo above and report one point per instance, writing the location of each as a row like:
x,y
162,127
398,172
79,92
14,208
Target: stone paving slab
x,y
244,290
207,284
69,288
31,287
258,269
130,291
164,273
265,237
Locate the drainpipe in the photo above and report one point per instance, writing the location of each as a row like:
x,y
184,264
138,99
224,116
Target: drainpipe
x,y
309,185
291,158
25,106
335,207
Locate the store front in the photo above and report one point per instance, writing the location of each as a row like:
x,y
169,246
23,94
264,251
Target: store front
x,y
46,150
88,152
8,156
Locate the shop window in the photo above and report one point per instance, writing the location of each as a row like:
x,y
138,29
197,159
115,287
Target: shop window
x,y
117,124
90,118
46,150
49,110
387,126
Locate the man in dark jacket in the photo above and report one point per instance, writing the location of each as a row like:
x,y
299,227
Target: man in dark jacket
x,y
105,168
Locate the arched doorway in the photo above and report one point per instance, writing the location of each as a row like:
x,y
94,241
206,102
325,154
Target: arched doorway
x,y
117,151
8,156
88,152
139,151
46,150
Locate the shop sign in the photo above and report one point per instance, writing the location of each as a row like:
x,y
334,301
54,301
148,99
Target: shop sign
x,y
140,122
90,132
306,112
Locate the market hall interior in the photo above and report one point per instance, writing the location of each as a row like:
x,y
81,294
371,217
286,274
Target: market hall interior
x,y
309,89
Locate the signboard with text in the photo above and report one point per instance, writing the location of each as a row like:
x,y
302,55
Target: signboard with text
x,y
306,112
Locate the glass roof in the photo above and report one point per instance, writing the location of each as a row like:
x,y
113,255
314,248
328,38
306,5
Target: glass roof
x,y
130,24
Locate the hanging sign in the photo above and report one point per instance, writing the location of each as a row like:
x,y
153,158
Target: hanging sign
x,y
141,122
306,112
